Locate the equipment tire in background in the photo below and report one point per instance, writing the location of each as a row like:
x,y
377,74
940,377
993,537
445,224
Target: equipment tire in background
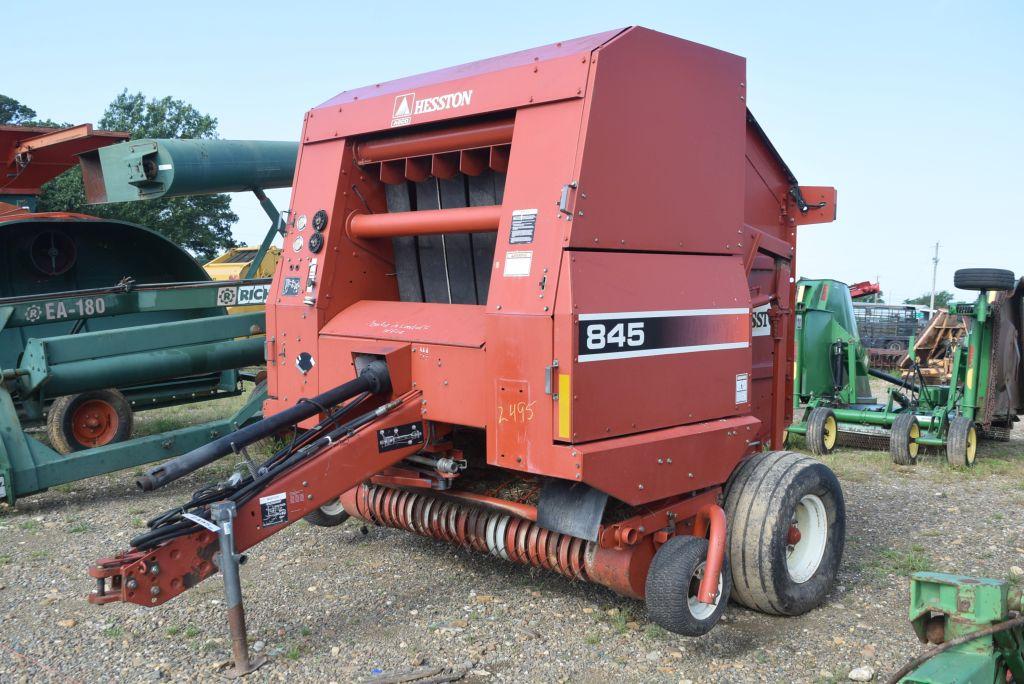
x,y
822,431
87,420
902,446
672,584
328,515
984,279
961,442
787,526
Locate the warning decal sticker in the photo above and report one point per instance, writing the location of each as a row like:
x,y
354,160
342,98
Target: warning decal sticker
x,y
273,509
524,223
399,436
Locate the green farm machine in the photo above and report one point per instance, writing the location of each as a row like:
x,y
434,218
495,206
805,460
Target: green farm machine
x,y
976,628
984,395
102,318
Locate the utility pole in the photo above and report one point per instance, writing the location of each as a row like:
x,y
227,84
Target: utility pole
x,y
935,272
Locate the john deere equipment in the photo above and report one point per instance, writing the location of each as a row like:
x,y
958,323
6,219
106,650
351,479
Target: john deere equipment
x,y
832,393
101,318
976,625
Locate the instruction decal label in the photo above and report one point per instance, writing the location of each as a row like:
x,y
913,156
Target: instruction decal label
x,y
517,264
399,437
3,487
273,509
291,287
524,224
742,388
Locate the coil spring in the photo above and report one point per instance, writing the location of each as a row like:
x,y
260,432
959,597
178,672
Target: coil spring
x,y
475,527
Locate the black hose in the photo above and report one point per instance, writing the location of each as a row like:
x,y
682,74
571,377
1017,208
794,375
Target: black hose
x,y
373,379
899,382
171,524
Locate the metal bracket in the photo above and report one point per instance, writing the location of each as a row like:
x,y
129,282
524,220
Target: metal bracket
x,y
801,203
563,201
549,379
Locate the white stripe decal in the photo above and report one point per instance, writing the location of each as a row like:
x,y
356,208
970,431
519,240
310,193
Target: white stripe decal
x,y
663,314
583,358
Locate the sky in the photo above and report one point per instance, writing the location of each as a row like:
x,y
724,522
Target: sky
x,y
910,109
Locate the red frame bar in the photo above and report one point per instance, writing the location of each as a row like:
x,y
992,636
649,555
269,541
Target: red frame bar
x,y
426,222
429,142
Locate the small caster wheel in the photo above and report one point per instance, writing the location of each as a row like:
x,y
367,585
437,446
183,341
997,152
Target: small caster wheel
x,y
822,431
902,445
961,442
328,515
673,582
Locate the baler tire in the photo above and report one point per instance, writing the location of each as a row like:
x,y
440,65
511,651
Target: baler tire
x,y
763,498
329,515
984,279
961,442
60,427
672,582
902,446
822,431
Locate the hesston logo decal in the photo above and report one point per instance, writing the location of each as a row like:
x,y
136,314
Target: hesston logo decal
x,y
406,105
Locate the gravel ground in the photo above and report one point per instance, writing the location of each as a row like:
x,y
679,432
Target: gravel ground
x,y
335,605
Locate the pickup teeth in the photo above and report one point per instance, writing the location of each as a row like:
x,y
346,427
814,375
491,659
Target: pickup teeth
x,y
488,531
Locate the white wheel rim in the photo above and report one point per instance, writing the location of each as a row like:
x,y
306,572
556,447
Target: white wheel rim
x,y
333,508
701,611
811,522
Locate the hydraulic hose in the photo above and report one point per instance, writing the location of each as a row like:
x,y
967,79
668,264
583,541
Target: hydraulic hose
x,y
171,524
900,382
373,379
943,647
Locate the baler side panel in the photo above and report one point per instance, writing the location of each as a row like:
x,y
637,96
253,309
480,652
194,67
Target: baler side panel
x,y
346,270
524,276
519,434
662,159
671,341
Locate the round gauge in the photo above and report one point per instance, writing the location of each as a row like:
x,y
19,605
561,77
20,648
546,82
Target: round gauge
x,y
319,220
300,223
297,243
316,242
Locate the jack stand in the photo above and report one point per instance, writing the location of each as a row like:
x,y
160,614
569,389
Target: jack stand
x,y
224,515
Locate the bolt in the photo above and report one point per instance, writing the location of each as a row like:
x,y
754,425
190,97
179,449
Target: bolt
x,y
642,528
132,584
660,461
155,590
154,570
639,486
670,460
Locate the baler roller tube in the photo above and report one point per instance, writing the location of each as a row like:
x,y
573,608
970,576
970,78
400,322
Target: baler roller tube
x,y
373,379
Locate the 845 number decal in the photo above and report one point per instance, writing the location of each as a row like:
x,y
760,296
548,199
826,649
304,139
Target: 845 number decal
x,y
620,335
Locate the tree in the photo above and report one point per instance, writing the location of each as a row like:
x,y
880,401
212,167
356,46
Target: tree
x,y
942,299
201,224
13,112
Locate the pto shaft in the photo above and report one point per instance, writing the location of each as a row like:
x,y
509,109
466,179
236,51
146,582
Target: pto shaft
x,y
373,379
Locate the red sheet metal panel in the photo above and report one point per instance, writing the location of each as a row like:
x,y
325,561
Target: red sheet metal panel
x,y
657,339
543,74
33,155
661,165
460,325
